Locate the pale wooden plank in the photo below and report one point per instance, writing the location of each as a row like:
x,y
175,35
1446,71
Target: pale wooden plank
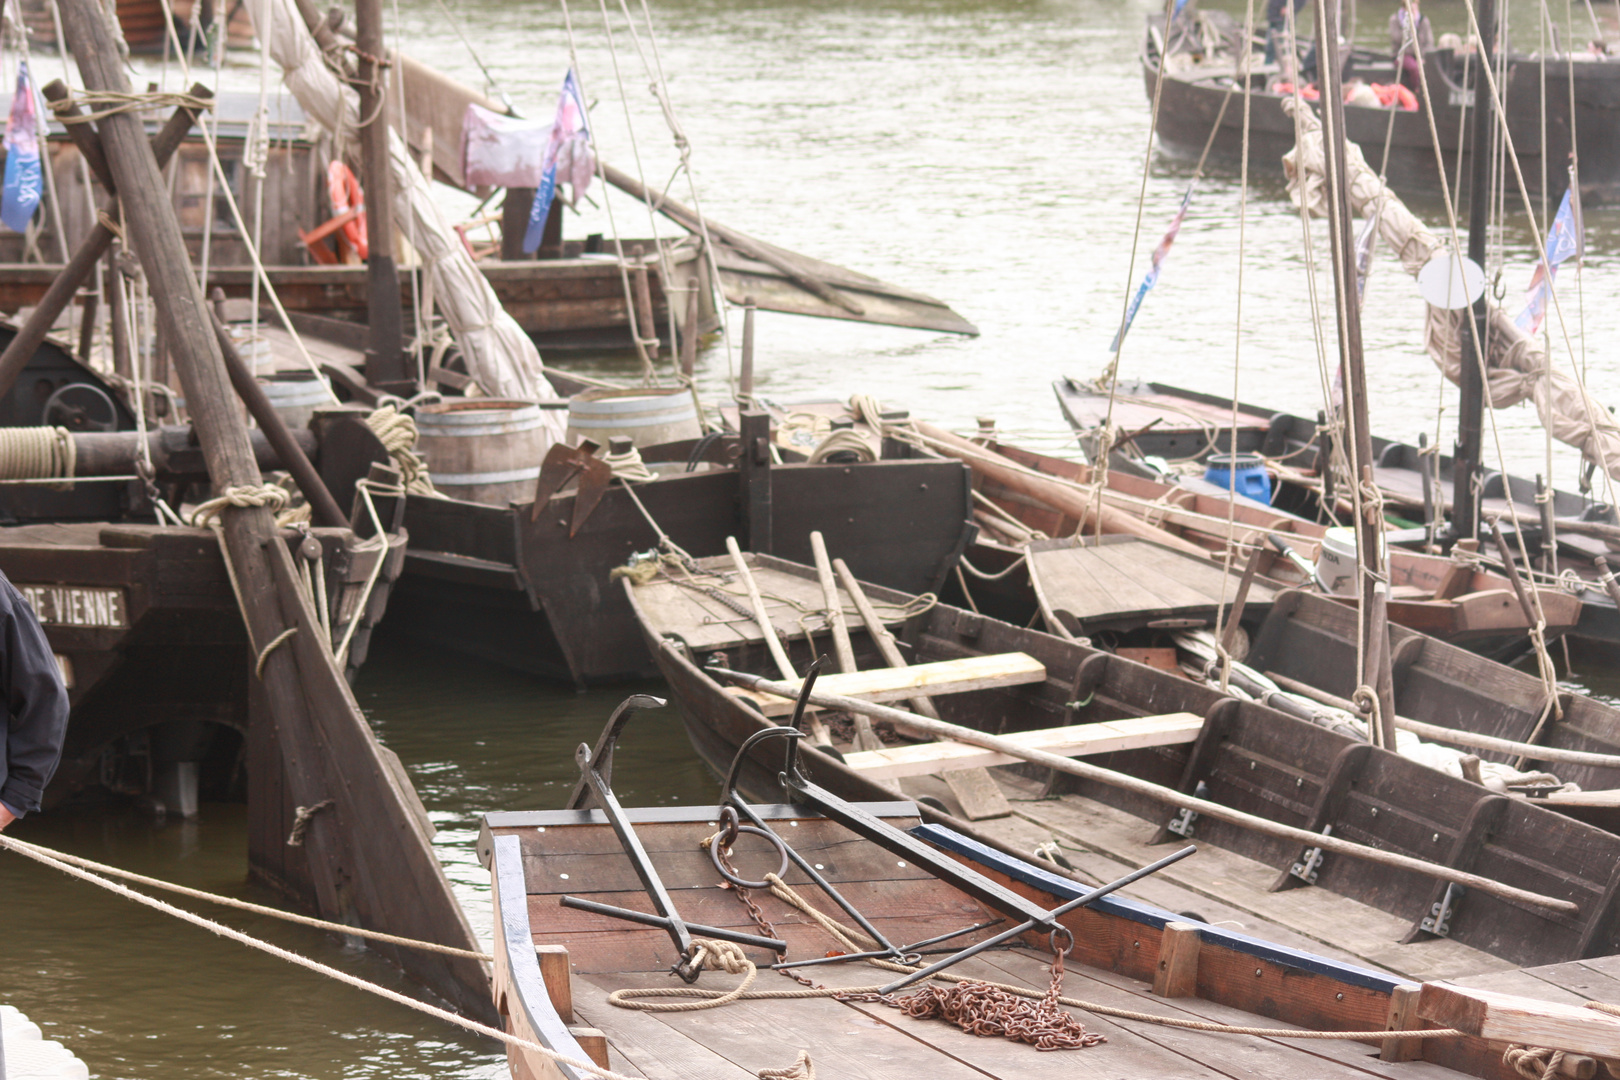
x,y
1163,572
1077,740
1517,1019
941,677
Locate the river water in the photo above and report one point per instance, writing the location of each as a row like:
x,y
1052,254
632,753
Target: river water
x,y
990,154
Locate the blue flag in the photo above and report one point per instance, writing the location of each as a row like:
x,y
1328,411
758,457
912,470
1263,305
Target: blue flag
x,y
23,185
1152,277
567,158
1564,240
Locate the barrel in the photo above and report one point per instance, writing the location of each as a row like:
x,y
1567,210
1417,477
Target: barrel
x,y
646,417
483,450
1252,481
296,395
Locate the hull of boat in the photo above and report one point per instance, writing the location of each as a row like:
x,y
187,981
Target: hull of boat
x,y
515,588
1189,108
1249,758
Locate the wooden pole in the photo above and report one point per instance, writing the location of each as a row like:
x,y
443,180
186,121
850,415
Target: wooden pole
x,y
689,332
385,359
83,263
835,607
364,855
939,729
778,653
878,632
1456,736
745,369
323,507
1374,651
1054,493
1473,340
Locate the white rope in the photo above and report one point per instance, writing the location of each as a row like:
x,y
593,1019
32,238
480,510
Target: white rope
x,y
36,453
313,965
380,542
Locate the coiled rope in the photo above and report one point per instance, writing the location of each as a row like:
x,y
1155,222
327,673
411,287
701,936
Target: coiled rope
x,y
628,466
843,441
36,453
397,432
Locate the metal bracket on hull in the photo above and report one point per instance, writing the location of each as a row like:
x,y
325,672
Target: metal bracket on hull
x,y
1438,921
1182,823
1310,861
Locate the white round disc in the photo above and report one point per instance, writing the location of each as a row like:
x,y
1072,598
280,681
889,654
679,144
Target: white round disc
x,y
1451,281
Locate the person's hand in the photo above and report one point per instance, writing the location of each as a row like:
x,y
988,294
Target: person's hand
x,y
6,816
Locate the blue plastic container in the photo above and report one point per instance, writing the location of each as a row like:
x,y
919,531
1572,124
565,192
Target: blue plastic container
x,y
1252,481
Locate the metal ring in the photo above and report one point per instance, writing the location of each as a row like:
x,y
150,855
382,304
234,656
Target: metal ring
x,y
1051,940
714,854
728,827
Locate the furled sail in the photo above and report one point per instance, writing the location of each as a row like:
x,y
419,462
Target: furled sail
x,y
500,356
1517,367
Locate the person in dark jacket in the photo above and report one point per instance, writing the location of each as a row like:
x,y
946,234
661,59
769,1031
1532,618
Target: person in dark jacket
x,y
36,707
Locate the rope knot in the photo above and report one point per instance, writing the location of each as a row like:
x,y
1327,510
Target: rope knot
x,y
1533,1062
724,956
242,497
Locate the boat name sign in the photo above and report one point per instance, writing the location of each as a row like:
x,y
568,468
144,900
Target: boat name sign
x,y
77,605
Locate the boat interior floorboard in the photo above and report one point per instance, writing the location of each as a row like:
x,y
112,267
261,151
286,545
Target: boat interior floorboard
x,y
1228,888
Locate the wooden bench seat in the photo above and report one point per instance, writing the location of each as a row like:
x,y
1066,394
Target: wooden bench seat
x,y
920,680
1078,740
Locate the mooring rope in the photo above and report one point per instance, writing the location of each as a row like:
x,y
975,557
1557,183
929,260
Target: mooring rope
x,y
26,848
316,966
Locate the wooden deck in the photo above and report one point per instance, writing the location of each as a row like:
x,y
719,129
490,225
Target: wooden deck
x,y
574,851
1124,582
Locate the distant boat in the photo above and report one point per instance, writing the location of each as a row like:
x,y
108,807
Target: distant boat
x,y
142,22
1197,80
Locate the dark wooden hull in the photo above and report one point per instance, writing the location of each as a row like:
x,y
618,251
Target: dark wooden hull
x,y
1314,640
1250,758
1189,108
491,582
1397,471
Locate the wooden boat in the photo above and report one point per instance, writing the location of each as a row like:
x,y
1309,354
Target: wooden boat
x,y
531,586
572,299
143,23
142,615
1182,425
1024,498
574,967
1196,82
1243,756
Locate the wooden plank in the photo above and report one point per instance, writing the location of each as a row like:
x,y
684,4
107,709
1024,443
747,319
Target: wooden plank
x,y
1513,1018
977,791
942,677
1104,737
1402,1017
652,1047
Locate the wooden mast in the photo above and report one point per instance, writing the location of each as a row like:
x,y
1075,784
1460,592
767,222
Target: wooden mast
x,y
362,855
385,360
1466,473
1375,658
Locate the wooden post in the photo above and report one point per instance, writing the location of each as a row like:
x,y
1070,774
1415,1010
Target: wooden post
x,y
83,263
1402,1017
1177,972
689,332
1234,614
322,506
754,472
364,859
745,370
385,359
117,316
515,222
594,1042
558,977
644,327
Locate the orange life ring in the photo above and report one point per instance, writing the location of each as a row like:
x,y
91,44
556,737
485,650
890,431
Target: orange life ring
x,y
344,190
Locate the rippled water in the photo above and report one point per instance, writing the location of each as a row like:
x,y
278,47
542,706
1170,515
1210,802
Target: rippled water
x,y
987,153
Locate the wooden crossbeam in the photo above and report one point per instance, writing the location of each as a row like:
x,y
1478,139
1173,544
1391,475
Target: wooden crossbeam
x,y
1515,1019
1078,740
898,684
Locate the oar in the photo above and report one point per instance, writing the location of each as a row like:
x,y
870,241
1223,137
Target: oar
x,y
778,653
878,632
941,730
865,737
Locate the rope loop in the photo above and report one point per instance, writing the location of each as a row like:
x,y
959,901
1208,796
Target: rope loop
x,y
802,1069
117,102
243,497
1533,1062
301,818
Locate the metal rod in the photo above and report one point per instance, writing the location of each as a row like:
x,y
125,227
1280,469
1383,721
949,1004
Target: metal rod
x,y
1051,918
904,950
630,915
